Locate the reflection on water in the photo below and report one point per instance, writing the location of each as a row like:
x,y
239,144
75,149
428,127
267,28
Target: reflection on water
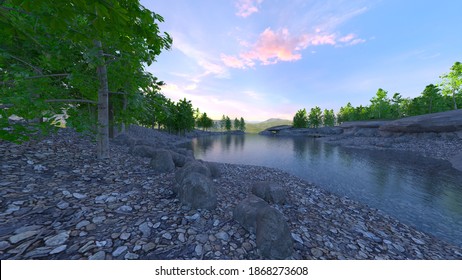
x,y
425,194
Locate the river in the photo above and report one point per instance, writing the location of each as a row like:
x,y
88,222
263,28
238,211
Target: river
x,y
426,194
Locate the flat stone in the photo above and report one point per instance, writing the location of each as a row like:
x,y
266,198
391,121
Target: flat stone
x,y
98,219
62,205
58,239
297,237
82,224
125,208
22,236
167,235
198,249
125,235
58,249
27,228
145,229
119,251
4,245
418,241
181,237
79,195
131,256
149,246
222,235
100,255
316,252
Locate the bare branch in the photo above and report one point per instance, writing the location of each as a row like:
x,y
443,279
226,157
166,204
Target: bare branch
x,y
117,92
36,69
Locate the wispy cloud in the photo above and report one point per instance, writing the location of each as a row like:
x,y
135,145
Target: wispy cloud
x,y
272,47
247,7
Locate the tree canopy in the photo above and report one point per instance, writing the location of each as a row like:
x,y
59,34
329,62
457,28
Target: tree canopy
x,y
77,58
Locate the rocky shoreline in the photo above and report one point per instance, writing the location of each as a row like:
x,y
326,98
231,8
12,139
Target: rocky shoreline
x,y
59,202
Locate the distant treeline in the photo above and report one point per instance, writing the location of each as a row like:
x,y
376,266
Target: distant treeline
x,y
444,96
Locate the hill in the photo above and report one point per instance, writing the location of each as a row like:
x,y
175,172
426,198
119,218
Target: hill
x,y
257,127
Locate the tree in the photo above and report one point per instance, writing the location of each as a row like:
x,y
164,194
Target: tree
x,y
242,124
205,122
346,113
430,97
452,82
223,122
228,124
237,123
380,104
315,117
328,117
300,119
185,117
79,53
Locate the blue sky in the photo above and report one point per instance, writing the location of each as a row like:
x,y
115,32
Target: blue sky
x,y
262,59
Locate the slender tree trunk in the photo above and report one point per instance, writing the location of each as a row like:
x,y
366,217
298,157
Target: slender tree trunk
x,y
103,106
124,108
454,99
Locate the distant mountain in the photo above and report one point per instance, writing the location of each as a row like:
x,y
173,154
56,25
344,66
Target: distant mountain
x,y
257,127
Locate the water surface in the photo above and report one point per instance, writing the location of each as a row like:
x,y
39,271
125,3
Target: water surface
x,y
426,194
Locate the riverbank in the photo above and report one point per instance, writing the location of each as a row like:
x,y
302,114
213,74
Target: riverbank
x,y
59,202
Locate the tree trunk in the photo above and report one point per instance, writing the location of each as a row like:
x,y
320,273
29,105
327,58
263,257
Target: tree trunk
x,y
103,106
454,99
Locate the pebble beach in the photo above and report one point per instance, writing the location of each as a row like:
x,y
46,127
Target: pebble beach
x,y
59,202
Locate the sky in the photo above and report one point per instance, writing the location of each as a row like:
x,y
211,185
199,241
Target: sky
x,y
261,59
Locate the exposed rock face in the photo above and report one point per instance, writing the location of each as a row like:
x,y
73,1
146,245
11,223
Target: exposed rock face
x,y
449,121
162,161
287,130
197,191
273,235
245,213
270,192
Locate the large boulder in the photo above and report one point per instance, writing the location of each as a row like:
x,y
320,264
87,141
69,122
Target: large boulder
x,y
180,160
270,192
192,167
143,151
123,139
449,121
162,161
273,235
214,168
197,191
245,213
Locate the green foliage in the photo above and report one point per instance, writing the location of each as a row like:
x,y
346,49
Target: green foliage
x,y
48,53
380,105
204,122
300,119
328,117
223,122
242,124
452,82
237,123
227,123
315,117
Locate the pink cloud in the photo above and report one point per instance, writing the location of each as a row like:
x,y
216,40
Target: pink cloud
x,y
351,39
247,7
274,46
232,61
